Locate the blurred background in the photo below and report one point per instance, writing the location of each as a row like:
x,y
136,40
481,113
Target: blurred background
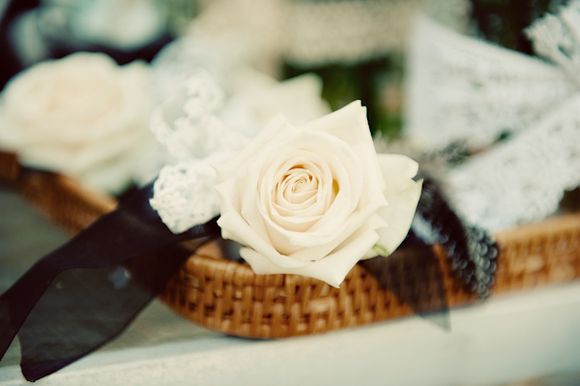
x,y
445,99
307,57
356,46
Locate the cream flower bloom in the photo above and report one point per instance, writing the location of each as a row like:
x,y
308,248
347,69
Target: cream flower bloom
x,y
315,199
82,115
202,125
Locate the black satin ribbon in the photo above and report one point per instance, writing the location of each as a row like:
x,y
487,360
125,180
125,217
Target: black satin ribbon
x,y
79,297
84,294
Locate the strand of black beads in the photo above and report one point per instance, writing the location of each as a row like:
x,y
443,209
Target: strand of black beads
x,y
484,252
471,251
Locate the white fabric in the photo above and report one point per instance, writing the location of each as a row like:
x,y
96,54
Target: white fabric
x,y
221,58
312,33
184,195
320,32
557,37
252,26
524,179
465,90
345,31
187,125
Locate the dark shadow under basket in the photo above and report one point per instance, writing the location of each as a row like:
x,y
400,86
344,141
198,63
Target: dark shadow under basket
x,y
227,296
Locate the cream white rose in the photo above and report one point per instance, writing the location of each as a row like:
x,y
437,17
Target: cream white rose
x,y
82,115
312,200
201,125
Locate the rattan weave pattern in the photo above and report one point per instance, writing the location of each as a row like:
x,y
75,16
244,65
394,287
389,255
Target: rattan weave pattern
x,y
226,295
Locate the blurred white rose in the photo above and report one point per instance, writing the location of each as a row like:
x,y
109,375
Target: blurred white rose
x,y
259,98
82,115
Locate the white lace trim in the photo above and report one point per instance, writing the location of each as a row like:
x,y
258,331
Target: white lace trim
x,y
524,179
187,124
221,58
463,89
184,195
468,90
557,37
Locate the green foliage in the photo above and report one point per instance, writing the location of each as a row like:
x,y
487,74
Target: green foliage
x,y
377,83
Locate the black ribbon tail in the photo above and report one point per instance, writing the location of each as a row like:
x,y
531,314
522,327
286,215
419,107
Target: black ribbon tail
x,y
84,294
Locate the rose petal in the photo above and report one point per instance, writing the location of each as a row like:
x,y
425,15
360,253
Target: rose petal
x,y
402,194
235,228
397,169
332,269
351,126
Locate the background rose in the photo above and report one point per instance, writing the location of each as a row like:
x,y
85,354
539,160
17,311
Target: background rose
x,y
258,98
313,200
82,115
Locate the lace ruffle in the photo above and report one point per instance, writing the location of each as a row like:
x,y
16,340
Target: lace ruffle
x,y
184,195
465,90
195,138
524,179
187,124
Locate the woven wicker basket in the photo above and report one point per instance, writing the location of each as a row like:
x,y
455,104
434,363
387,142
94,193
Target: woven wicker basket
x,y
227,296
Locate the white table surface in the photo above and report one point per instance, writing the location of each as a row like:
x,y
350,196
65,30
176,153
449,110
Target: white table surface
x,y
510,338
